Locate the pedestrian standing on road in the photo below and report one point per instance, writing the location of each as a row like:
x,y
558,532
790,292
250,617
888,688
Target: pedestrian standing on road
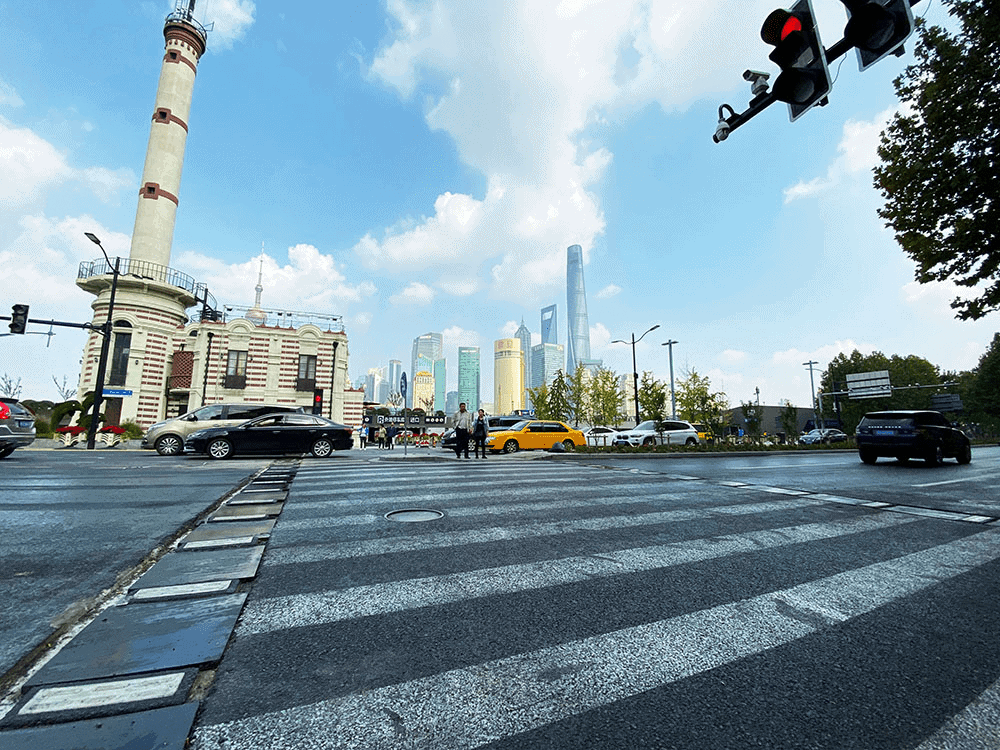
x,y
479,432
390,437
381,437
463,429
363,436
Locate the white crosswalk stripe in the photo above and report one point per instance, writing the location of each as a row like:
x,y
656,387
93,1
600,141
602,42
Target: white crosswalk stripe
x,y
500,698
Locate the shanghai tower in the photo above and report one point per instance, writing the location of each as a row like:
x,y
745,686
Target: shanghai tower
x,y
578,338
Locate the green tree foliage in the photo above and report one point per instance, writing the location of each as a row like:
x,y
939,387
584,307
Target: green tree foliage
x,y
940,171
697,403
558,397
984,394
788,418
540,401
652,398
576,395
903,371
604,401
753,415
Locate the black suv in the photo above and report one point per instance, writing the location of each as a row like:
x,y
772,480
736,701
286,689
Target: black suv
x,y
911,434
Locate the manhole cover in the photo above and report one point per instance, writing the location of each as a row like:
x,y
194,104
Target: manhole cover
x,y
412,515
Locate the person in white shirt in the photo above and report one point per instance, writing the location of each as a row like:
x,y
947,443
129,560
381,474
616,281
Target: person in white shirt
x,y
463,428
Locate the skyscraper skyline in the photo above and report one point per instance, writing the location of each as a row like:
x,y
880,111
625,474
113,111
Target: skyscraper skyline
x,y
550,325
524,336
577,322
431,347
469,382
508,387
546,361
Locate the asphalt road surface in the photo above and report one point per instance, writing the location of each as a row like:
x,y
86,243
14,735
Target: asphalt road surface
x,y
715,603
772,601
72,521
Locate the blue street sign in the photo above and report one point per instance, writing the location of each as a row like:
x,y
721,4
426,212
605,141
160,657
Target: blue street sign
x,y
402,386
116,392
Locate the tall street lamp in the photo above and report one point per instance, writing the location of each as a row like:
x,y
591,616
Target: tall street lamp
x,y
673,396
102,363
816,414
635,371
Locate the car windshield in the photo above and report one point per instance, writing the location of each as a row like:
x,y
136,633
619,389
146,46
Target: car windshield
x,y
649,424
517,426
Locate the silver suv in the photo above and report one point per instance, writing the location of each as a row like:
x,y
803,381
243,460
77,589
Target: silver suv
x,y
167,437
17,426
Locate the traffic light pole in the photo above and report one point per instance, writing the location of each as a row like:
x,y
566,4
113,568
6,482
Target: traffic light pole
x,y
102,363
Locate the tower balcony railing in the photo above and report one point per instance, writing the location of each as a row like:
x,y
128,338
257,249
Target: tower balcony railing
x,y
184,13
143,269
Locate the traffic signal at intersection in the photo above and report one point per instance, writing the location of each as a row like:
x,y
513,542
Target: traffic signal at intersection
x,y
318,401
804,80
18,318
877,29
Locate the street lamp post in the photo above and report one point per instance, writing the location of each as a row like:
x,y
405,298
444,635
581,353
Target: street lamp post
x,y
816,414
673,396
102,362
635,371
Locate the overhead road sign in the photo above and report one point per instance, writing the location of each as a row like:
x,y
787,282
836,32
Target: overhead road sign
x,y
869,385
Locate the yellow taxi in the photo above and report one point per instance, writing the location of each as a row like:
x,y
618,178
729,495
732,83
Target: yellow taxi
x,y
534,434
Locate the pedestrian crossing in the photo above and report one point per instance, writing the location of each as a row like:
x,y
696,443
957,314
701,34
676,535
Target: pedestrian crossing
x,y
563,605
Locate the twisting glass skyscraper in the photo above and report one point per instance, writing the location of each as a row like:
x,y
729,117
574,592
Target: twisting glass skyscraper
x,y
577,323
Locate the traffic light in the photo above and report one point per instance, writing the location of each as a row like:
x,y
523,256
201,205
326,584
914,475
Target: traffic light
x,y
877,29
318,401
18,318
804,80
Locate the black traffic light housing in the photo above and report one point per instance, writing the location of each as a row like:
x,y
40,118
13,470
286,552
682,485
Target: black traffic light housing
x,y
318,401
18,318
877,29
804,80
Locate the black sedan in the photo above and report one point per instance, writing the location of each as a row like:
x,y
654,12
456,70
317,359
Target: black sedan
x,y
272,433
911,434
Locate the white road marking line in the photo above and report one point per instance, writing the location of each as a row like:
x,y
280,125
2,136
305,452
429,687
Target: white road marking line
x,y
189,589
73,697
974,478
297,610
439,540
509,696
227,542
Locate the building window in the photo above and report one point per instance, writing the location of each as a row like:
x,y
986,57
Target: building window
x,y
236,370
119,355
307,372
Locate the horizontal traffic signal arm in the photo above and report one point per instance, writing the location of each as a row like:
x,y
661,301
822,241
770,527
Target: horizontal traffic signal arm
x,y
761,102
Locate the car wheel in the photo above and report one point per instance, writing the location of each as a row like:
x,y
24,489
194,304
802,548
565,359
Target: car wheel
x,y
510,446
568,445
965,454
935,456
690,441
220,448
4,452
867,457
322,448
649,441
169,445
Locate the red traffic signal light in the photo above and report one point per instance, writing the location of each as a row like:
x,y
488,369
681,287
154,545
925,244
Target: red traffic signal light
x,y
317,401
877,29
804,80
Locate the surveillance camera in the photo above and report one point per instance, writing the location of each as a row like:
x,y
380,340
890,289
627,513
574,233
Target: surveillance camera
x,y
750,75
721,131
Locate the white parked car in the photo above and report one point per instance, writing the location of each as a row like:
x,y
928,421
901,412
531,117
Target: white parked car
x,y
674,432
600,436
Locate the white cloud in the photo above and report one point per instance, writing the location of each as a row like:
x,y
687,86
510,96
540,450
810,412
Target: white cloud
x,y
731,356
29,165
858,149
456,336
414,294
8,96
231,19
823,355
611,290
310,280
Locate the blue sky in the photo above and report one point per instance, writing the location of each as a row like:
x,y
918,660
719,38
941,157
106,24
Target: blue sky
x,y
422,166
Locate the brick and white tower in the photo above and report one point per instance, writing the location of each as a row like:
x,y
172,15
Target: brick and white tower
x,y
152,299
161,175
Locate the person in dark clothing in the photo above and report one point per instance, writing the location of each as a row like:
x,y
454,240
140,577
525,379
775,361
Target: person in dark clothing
x,y
480,429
